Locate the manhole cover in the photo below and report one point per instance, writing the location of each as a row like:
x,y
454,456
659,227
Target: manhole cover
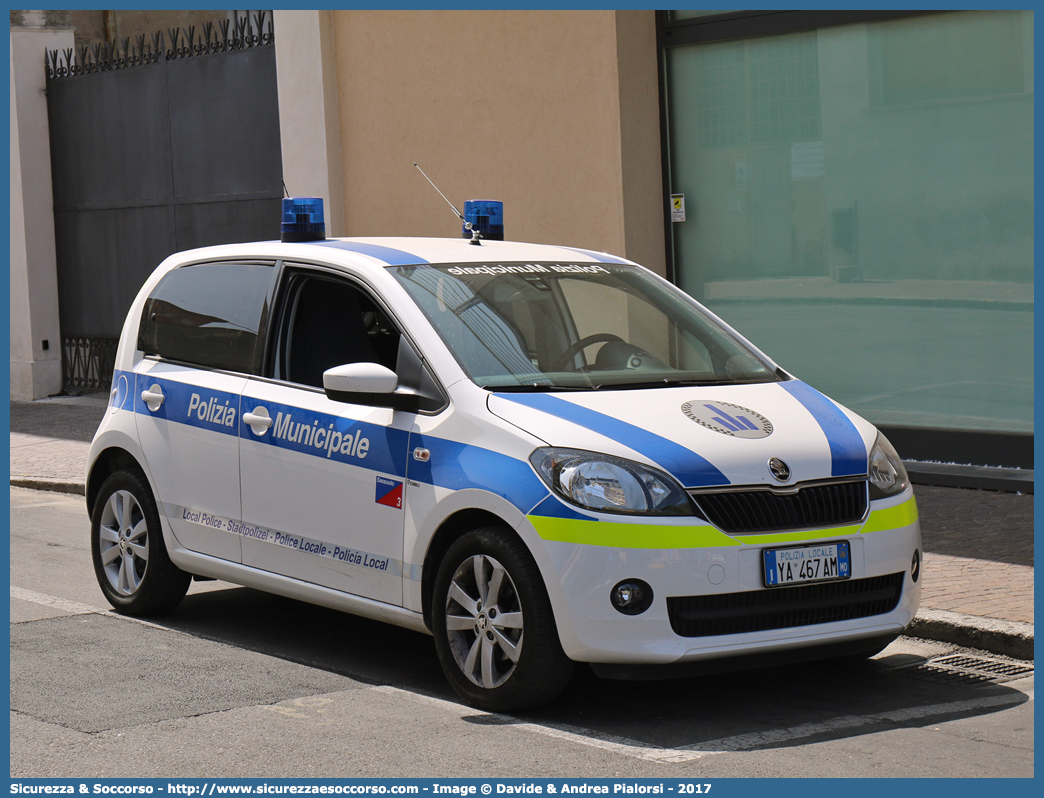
x,y
967,669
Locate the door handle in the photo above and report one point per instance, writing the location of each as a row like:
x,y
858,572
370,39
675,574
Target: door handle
x,y
258,420
153,397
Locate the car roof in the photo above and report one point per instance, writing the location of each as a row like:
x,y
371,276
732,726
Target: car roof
x,y
399,251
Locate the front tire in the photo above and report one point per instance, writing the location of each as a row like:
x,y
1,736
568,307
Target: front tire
x,y
130,559
494,629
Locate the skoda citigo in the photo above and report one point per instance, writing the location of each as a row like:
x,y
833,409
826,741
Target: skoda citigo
x,y
539,455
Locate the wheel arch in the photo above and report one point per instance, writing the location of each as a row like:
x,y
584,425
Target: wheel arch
x,y
505,670
107,463
140,579
449,530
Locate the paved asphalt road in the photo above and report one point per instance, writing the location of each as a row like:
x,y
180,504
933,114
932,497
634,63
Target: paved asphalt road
x,y
236,683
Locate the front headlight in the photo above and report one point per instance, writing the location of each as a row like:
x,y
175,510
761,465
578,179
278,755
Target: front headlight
x,y
887,473
610,484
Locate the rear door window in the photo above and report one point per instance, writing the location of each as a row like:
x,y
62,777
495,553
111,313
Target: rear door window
x,y
209,314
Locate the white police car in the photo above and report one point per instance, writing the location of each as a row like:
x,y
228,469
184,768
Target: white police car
x,y
540,455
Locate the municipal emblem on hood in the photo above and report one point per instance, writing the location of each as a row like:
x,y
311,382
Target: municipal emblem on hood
x,y
728,419
779,469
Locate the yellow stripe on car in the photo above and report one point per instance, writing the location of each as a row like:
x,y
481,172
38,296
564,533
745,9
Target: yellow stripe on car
x,y
892,518
656,536
628,536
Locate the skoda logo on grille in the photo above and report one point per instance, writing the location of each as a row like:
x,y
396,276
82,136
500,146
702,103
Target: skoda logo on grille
x,y
728,419
779,469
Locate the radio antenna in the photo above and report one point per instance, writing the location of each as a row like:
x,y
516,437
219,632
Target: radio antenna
x,y
475,234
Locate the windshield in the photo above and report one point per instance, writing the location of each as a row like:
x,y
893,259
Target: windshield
x,y
547,326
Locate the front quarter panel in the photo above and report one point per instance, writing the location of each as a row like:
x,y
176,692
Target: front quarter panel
x,y
475,462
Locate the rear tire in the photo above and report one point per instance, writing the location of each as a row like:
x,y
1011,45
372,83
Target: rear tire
x,y
494,629
130,558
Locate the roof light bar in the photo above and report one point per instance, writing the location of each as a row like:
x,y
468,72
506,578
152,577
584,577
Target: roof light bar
x,y
303,219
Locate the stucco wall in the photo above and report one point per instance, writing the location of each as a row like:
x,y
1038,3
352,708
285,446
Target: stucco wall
x,y
309,124
36,366
520,106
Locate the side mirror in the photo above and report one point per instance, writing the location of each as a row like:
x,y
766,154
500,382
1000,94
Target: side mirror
x,y
369,384
411,387
360,378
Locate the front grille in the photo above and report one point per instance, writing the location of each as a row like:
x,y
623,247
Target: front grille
x,y
739,512
784,607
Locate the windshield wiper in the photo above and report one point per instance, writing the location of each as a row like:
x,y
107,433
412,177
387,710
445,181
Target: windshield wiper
x,y
680,383
638,386
538,388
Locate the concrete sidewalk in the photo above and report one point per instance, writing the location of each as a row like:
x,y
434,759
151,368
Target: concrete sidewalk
x,y
978,544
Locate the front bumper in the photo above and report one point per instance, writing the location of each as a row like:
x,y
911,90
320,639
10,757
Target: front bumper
x,y
709,599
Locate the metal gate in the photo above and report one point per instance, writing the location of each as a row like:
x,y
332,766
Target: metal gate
x,y
154,149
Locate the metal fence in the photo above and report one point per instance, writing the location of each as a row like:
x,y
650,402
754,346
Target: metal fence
x,y
87,363
164,144
243,32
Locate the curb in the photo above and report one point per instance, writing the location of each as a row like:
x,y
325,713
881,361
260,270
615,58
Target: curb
x,y
1010,480
1006,638
53,485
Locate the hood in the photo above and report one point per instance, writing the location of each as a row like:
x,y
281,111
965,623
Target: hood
x,y
704,436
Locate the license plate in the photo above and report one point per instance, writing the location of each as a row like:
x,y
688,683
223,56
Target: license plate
x,y
822,562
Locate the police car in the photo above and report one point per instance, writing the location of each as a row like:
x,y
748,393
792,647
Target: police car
x,y
540,455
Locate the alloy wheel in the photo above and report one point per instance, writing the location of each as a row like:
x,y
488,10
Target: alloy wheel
x,y
124,542
484,621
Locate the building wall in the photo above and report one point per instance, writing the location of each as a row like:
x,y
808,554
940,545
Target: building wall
x,y
36,366
94,27
309,122
36,343
552,112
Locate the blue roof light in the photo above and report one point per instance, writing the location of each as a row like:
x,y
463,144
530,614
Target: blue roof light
x,y
486,216
303,219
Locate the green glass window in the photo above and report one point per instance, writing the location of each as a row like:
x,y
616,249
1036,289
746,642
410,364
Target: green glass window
x,y
859,201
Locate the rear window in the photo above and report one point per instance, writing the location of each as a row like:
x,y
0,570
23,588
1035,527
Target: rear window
x,y
208,314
